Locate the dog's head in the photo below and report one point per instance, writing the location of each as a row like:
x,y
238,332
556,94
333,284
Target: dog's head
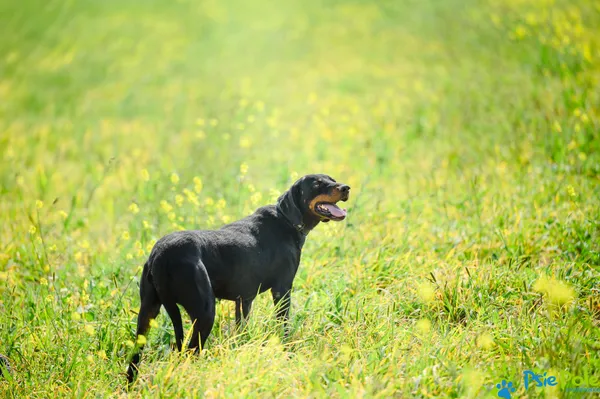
x,y
313,199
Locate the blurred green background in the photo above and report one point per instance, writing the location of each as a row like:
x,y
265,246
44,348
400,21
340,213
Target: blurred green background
x,y
468,131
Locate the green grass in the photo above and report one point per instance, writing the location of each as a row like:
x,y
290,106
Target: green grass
x,y
468,131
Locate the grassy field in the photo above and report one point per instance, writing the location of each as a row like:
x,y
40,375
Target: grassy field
x,y
468,130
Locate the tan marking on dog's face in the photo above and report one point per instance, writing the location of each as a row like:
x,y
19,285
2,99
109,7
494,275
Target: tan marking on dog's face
x,y
332,198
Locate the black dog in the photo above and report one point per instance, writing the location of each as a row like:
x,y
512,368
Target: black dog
x,y
236,262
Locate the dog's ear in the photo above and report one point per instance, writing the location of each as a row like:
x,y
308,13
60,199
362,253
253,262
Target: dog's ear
x,y
290,204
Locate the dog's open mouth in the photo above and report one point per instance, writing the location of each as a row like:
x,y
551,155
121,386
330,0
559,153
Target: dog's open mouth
x,y
330,211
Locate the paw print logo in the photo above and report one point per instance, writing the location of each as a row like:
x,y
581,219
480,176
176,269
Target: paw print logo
x,y
505,389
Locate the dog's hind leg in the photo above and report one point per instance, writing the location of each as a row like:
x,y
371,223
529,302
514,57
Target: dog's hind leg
x,y
199,302
175,315
149,308
203,323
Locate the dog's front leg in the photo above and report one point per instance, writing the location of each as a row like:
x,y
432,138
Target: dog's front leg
x,y
238,311
282,298
242,310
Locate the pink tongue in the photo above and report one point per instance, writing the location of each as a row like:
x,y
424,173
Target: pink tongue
x,y
335,210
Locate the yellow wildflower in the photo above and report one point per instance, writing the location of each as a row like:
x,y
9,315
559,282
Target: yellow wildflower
x,y
473,380
520,32
244,168
557,291
125,235
145,175
39,204
174,178
245,142
485,341
89,329
166,207
191,197
274,194
585,118
256,198
557,127
179,200
197,184
134,208
424,326
141,340
426,292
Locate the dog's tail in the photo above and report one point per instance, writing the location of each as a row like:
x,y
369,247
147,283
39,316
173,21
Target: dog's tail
x,y
149,308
